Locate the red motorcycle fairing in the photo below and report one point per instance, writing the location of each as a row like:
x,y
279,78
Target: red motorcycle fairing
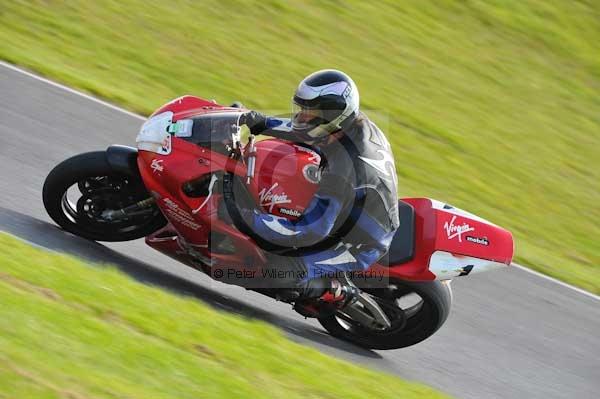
x,y
448,242
280,166
285,180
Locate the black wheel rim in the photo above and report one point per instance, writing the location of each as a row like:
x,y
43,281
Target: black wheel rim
x,y
407,312
84,202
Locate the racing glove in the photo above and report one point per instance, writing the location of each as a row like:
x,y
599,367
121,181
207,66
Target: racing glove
x,y
256,122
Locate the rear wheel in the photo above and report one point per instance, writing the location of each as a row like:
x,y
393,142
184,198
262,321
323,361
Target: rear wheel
x,y
80,191
416,310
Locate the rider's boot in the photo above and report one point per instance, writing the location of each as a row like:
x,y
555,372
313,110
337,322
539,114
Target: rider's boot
x,y
333,297
339,294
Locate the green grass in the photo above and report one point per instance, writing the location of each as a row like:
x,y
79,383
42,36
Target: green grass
x,y
68,330
491,106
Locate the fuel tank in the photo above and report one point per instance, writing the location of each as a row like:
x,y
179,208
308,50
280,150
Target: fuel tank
x,y
287,176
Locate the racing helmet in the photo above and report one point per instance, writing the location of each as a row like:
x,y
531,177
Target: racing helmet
x,y
324,102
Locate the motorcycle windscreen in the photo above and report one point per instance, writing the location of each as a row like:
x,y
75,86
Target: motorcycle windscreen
x,y
217,131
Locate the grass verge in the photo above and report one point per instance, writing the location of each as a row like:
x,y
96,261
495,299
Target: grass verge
x,y
68,330
490,106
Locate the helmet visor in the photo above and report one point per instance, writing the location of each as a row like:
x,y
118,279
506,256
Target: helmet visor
x,y
306,120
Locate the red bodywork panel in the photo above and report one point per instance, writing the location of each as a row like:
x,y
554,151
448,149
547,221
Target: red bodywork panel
x,y
435,230
284,187
186,106
284,184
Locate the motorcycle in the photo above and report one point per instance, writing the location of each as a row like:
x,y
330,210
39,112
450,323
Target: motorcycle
x,y
181,188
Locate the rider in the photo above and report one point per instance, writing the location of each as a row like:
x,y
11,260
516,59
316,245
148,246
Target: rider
x,y
353,216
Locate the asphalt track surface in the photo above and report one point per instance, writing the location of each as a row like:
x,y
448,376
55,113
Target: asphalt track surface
x,y
511,334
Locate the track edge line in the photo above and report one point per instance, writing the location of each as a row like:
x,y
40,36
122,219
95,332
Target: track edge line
x,y
70,90
556,281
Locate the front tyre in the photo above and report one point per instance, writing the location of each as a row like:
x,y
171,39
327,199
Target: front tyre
x,y
416,310
78,192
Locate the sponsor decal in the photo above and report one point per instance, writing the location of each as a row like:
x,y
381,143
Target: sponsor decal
x,y
157,165
268,199
181,128
290,212
312,173
175,213
347,91
453,230
478,240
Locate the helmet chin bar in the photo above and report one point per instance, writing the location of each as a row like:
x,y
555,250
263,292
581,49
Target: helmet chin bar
x,y
324,130
319,131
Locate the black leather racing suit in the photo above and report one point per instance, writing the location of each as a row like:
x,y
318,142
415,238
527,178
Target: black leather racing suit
x,y
353,216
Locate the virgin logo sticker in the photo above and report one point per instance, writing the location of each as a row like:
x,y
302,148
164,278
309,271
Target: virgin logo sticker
x,y
453,230
268,199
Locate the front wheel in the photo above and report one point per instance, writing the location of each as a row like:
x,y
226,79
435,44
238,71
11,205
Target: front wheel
x,y
416,310
80,191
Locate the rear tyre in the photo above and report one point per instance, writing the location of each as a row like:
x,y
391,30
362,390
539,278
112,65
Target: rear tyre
x,y
411,323
78,190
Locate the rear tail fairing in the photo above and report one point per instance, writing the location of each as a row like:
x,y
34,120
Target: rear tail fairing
x,y
450,242
466,243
